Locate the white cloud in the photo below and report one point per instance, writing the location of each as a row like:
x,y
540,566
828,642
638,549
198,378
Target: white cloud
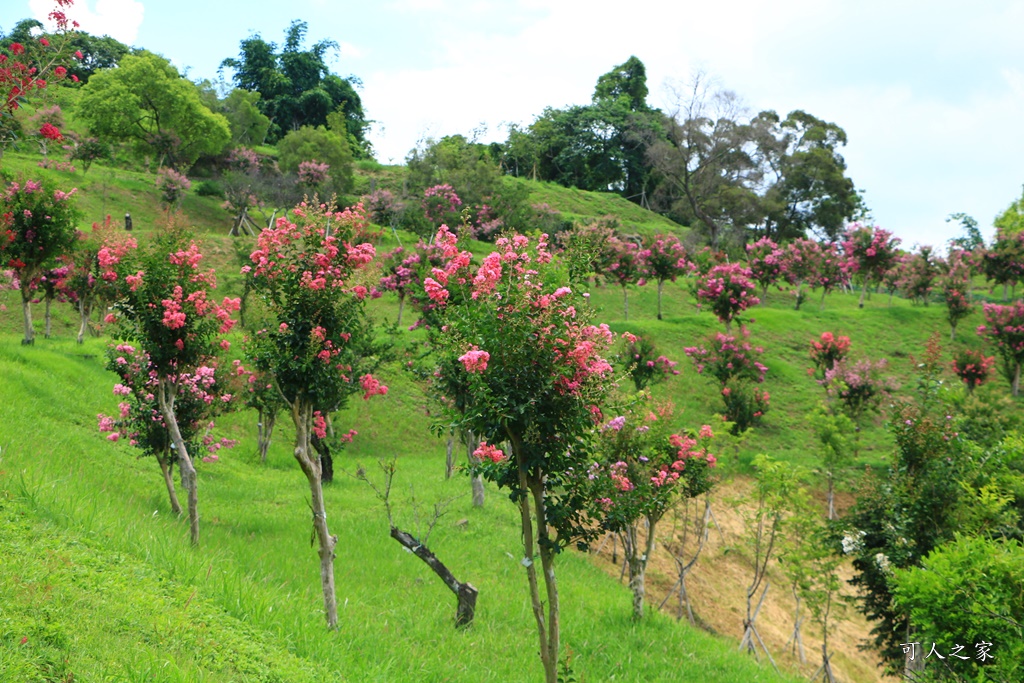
x,y
349,51
118,19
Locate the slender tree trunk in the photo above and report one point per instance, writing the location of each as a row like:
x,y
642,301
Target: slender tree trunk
x,y
267,420
863,291
326,459
46,317
831,496
189,480
661,285
83,319
547,560
167,467
625,302
638,564
799,295
952,333
401,307
302,414
449,460
477,481
26,309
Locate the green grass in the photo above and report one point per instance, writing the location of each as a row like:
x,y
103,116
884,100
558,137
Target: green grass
x,y
107,587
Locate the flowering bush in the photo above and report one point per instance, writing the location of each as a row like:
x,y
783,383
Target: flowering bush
x,y
765,260
166,309
172,186
441,205
384,208
644,367
398,273
1003,263
318,344
664,258
828,351
736,366
1005,327
918,274
972,367
728,291
545,380
36,227
641,472
313,173
869,252
800,262
830,270
858,387
956,289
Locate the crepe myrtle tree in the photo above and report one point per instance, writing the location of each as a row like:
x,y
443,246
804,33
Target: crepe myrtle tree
x,y
870,251
165,309
641,472
728,290
537,369
664,258
37,225
318,345
203,394
1005,327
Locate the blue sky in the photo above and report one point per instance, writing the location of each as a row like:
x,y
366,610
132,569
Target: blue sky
x,y
931,95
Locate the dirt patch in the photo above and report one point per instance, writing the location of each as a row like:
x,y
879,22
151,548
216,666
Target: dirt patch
x,y
717,589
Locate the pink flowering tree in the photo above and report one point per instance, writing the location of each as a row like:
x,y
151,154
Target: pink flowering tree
x,y
538,374
49,285
165,310
313,174
201,396
642,362
972,367
318,346
641,472
857,389
1003,262
1005,328
956,289
398,274
826,352
765,260
36,227
727,290
92,257
869,251
893,277
172,186
800,262
830,273
627,268
261,394
919,273
25,70
441,205
735,364
664,259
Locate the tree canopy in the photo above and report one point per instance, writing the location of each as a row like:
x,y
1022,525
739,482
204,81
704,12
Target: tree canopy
x,y
147,104
296,88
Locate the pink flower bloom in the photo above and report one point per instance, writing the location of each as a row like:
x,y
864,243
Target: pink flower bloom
x,y
475,360
706,433
372,387
489,452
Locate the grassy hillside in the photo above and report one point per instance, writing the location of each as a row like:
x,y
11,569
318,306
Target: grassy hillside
x,y
106,587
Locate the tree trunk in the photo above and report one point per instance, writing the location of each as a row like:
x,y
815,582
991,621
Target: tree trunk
x,y
799,295
464,592
545,630
477,481
401,307
26,309
302,414
187,471
863,291
326,459
547,560
831,496
661,285
265,426
167,467
46,317
83,319
449,461
952,333
625,302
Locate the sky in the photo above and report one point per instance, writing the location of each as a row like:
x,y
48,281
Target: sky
x,y
931,95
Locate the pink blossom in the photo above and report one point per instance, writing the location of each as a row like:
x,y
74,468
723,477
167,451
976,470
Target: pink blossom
x,y
489,452
475,360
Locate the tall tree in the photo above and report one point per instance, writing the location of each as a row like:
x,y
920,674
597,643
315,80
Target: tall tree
x,y
145,102
296,86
